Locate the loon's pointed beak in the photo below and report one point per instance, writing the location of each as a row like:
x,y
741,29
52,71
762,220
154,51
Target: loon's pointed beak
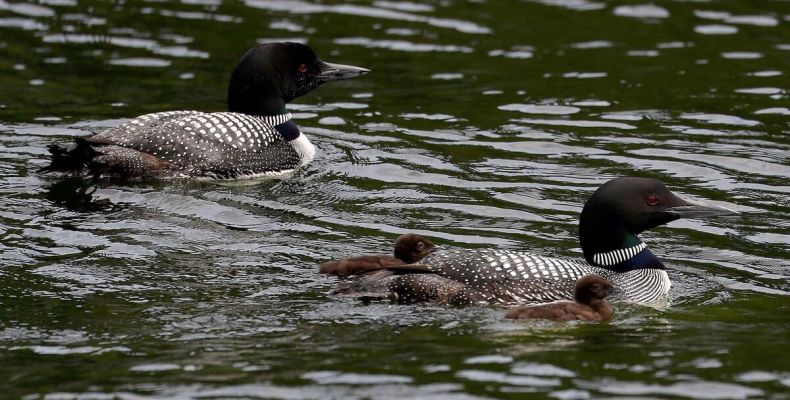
x,y
336,72
697,209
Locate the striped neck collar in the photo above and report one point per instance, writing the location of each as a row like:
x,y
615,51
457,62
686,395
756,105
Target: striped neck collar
x,y
626,259
275,120
614,257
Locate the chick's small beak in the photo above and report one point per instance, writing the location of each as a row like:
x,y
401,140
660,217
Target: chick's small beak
x,y
336,72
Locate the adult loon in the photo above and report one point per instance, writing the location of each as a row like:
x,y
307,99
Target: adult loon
x,y
588,304
608,227
255,137
409,248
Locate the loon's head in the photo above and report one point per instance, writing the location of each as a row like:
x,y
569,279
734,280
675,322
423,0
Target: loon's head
x,y
591,287
272,74
411,248
625,207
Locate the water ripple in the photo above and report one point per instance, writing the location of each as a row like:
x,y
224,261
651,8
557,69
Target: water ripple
x,y
402,45
303,7
484,125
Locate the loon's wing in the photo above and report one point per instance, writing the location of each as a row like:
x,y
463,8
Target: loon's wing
x,y
221,145
406,288
523,291
432,288
136,132
476,276
509,276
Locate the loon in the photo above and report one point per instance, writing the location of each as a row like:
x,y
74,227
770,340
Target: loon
x,y
409,248
609,224
255,137
587,305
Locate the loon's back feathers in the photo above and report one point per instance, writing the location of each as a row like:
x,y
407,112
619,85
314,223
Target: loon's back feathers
x,y
522,279
255,137
472,276
219,145
216,145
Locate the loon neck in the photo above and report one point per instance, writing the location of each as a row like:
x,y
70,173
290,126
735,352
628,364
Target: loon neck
x,y
276,119
256,95
632,256
607,243
284,125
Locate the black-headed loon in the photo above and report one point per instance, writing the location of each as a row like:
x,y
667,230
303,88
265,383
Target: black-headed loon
x,y
255,137
608,227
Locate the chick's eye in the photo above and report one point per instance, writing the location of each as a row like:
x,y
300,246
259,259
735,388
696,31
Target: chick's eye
x,y
420,245
302,68
651,200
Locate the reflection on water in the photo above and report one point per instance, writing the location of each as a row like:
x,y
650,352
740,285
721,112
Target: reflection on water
x,y
483,124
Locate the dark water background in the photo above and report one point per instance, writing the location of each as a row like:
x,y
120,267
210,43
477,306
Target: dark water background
x,y
484,123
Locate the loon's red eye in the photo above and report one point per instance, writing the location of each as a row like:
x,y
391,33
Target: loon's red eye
x,y
651,200
302,68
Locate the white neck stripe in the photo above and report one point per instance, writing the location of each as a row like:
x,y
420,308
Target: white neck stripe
x,y
615,257
275,120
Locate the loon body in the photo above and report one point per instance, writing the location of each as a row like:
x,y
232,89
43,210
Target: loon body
x,y
255,137
588,304
513,277
617,212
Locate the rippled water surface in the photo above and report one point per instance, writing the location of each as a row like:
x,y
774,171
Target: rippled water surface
x,y
483,123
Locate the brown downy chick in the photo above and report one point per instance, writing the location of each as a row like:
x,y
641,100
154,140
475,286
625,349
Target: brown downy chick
x,y
409,248
588,304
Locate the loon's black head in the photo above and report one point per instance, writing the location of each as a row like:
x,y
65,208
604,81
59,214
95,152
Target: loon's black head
x,y
411,248
625,207
272,74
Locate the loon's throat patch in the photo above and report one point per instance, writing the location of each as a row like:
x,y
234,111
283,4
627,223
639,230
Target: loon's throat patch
x,y
283,124
288,130
628,259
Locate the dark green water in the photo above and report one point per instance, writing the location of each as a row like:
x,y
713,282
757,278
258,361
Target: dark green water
x,y
484,123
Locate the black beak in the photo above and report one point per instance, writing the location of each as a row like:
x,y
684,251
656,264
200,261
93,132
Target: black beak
x,y
696,209
336,72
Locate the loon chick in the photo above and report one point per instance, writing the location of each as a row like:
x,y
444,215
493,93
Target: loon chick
x,y
608,227
588,305
409,248
255,137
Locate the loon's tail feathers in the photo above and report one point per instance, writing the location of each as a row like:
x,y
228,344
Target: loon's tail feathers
x,y
97,158
358,265
70,158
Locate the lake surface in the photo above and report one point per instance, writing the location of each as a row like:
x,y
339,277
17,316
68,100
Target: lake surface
x,y
483,124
